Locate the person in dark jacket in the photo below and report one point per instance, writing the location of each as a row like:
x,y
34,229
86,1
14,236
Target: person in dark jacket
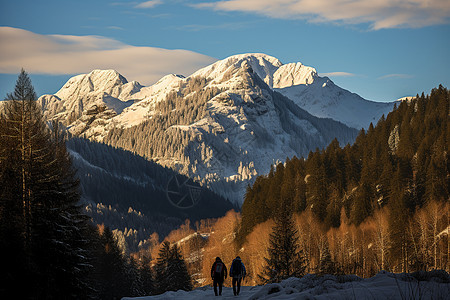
x,y
218,275
238,272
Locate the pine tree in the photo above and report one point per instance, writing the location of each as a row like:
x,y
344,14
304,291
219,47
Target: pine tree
x,y
177,271
171,270
161,280
41,193
326,264
285,259
133,278
109,267
146,275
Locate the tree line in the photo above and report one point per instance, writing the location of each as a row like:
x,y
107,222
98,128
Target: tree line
x,y
295,244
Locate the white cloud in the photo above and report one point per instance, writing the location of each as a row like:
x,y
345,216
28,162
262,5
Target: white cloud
x,y
399,76
378,13
148,4
338,74
66,54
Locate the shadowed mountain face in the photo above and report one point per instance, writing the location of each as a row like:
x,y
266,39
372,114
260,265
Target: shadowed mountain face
x,y
222,126
136,197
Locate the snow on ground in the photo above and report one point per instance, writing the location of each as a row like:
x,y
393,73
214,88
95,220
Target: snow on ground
x,y
384,285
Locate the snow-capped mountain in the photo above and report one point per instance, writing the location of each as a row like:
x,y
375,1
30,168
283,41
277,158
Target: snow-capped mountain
x,y
87,102
223,125
317,95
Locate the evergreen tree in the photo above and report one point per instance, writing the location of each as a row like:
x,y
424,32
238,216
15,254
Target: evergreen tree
x,y
177,271
109,267
40,193
133,278
326,264
161,280
363,204
285,259
299,202
146,275
171,270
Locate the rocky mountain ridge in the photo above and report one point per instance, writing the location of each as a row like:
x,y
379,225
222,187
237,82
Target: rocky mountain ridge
x,y
222,125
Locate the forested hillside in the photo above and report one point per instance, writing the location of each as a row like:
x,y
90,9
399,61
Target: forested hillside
x,y
397,172
128,193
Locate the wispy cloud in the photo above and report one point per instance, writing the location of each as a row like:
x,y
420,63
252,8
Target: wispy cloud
x,y
378,14
67,54
138,4
148,4
338,74
114,27
200,27
396,76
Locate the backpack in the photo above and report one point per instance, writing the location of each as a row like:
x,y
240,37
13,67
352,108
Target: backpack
x,y
219,268
237,268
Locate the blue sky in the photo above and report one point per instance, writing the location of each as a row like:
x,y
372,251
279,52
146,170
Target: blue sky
x,y
380,49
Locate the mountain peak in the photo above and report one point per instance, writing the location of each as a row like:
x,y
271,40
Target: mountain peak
x,y
293,74
268,68
262,64
108,81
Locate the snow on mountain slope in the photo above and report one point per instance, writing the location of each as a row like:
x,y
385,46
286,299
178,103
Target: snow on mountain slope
x,y
322,98
87,102
268,68
293,74
317,95
102,95
90,104
263,65
146,99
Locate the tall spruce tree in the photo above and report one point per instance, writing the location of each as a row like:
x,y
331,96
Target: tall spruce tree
x,y
161,280
171,270
146,275
177,271
326,264
285,259
42,226
109,267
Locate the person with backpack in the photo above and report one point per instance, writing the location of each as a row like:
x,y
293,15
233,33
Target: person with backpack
x,y
218,275
237,271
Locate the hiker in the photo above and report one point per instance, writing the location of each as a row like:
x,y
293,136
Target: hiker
x,y
237,271
218,274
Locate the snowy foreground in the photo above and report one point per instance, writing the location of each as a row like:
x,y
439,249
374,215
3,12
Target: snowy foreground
x,y
384,285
